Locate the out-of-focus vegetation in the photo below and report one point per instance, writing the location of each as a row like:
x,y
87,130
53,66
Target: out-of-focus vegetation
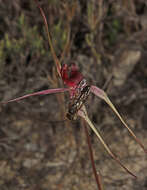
x,y
108,41
29,37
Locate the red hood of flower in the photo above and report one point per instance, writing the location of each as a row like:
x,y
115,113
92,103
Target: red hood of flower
x,y
71,75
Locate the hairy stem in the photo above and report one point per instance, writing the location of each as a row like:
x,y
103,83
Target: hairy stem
x,y
97,176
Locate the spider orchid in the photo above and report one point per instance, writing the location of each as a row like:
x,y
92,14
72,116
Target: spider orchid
x,y
79,91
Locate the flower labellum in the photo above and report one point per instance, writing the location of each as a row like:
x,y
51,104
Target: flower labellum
x,y
70,75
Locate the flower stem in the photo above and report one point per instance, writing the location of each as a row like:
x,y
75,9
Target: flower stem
x,y
97,176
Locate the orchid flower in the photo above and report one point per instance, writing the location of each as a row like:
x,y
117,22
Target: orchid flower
x,y
79,91
71,78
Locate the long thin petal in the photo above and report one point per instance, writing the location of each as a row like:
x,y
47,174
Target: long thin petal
x,y
83,114
57,62
101,94
43,92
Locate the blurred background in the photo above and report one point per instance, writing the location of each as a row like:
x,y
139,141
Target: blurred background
x,y
39,148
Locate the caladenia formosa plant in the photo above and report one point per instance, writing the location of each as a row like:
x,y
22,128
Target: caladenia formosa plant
x,y
78,90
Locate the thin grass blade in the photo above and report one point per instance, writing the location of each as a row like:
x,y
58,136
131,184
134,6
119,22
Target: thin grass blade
x,y
43,92
83,113
67,45
101,94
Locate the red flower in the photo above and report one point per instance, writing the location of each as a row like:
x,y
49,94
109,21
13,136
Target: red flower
x,y
70,75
